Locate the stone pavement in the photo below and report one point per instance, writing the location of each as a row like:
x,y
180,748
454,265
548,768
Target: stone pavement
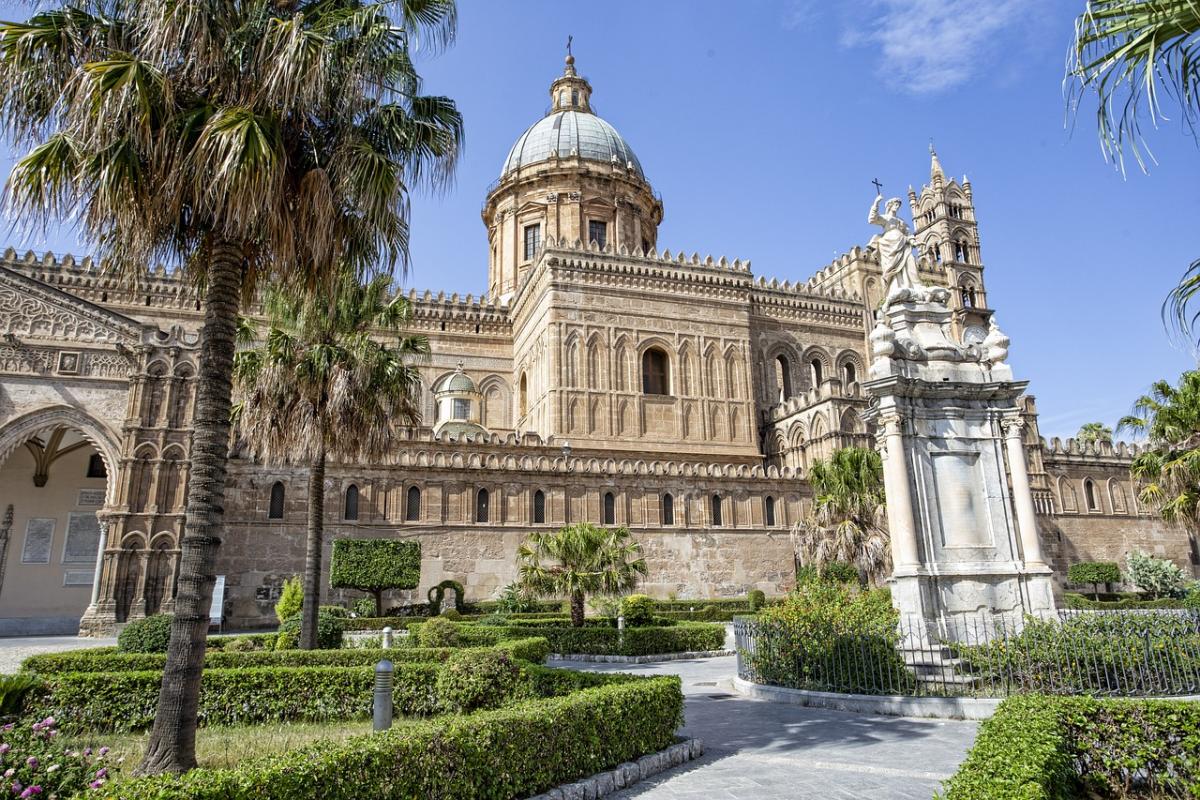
x,y
15,649
758,750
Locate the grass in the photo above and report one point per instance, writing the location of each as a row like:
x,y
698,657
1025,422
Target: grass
x,y
225,747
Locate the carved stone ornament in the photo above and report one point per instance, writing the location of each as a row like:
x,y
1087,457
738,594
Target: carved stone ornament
x,y
995,345
1012,426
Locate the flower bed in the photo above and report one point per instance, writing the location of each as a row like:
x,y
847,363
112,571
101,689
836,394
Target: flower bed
x,y
515,751
107,659
1038,747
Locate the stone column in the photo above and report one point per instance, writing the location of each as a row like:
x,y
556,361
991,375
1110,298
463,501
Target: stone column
x,y
1014,428
903,532
103,545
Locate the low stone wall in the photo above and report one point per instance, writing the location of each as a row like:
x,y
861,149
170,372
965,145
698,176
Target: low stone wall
x,y
614,780
889,705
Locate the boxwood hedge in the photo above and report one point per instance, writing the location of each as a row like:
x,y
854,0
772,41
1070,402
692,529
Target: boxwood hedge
x,y
107,659
681,638
1037,747
514,751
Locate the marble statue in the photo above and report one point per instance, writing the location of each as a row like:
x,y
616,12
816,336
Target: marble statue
x,y
901,279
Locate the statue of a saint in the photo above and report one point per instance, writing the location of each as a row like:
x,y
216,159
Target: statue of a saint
x,y
895,245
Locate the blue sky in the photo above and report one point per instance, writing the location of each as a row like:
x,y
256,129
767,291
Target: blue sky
x,y
762,124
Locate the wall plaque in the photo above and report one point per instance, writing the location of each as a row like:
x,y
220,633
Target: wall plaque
x,y
83,538
39,536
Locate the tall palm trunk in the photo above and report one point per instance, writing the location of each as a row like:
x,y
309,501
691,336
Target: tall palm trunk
x,y
312,554
577,609
172,745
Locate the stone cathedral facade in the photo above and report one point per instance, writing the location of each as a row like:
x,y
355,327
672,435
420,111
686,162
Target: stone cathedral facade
x,y
601,377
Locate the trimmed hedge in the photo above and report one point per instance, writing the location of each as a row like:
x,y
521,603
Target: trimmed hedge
x,y
1094,572
148,635
107,659
681,638
1079,602
515,751
375,565
1066,748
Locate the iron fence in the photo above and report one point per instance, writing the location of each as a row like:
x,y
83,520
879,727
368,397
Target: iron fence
x,y
1104,653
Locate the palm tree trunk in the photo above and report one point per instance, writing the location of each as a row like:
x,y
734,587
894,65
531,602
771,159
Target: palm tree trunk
x,y
172,745
312,555
577,609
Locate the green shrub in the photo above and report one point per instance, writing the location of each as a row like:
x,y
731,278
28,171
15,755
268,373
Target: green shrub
x,y
638,609
241,645
830,636
757,599
291,599
364,607
1074,600
375,565
13,689
474,679
149,635
329,630
34,755
1094,572
451,614
437,594
840,572
288,639
438,632
596,640
334,611
516,751
1191,597
1159,576
1060,748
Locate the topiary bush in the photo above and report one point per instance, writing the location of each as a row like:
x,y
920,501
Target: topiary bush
x,y
438,632
291,599
757,599
451,614
437,594
375,565
149,635
638,609
1095,573
474,679
329,630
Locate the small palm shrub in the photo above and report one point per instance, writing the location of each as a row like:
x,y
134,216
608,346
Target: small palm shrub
x,y
13,689
438,632
149,635
291,599
329,631
475,679
638,610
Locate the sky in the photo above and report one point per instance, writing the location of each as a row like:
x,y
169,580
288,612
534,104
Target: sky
x,y
763,123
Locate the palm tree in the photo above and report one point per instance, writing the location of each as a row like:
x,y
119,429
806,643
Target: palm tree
x,y
579,560
846,521
245,141
1094,432
319,375
1168,471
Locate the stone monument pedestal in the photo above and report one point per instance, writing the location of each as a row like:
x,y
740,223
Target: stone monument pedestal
x,y
960,512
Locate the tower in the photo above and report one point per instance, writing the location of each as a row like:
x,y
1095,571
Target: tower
x,y
944,223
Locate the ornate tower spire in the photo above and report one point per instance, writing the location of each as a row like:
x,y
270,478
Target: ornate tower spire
x,y
570,92
936,175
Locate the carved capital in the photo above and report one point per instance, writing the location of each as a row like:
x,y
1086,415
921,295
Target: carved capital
x,y
890,421
1013,427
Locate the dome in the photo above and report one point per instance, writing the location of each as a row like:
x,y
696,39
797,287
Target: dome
x,y
568,134
457,381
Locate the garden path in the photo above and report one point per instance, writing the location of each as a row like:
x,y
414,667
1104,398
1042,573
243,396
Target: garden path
x,y
756,749
15,649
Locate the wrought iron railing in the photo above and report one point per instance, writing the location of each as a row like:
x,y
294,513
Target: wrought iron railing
x,y
1106,653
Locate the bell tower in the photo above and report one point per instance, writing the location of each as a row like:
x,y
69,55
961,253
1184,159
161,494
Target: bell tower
x,y
944,223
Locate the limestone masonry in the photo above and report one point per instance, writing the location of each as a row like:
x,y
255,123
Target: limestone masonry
x,y
600,379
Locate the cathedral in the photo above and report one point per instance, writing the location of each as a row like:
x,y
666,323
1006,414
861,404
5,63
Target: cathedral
x,y
601,378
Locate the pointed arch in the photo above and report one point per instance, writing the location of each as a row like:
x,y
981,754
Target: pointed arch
x,y
621,364
1116,495
597,353
712,373
687,370
1068,500
571,360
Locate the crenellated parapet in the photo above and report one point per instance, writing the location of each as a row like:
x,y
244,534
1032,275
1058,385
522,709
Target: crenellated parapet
x,y
93,280
1083,449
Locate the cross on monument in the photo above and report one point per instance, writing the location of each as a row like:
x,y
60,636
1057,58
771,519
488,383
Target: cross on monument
x,y
569,40
878,186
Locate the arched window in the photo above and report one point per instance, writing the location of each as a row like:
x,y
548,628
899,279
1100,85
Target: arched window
x,y
539,506
654,372
783,377
350,509
412,508
524,395
769,511
818,371
968,298
275,511
1089,494
716,510
849,373
481,506
668,510
610,509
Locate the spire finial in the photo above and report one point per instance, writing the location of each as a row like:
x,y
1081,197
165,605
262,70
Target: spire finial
x,y
935,166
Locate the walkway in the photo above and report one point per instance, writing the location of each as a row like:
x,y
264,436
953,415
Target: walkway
x,y
15,649
757,750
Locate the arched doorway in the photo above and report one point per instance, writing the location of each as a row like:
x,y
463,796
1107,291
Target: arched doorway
x,y
57,471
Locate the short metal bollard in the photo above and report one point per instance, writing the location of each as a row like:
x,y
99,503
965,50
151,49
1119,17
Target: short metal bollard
x,y
387,638
620,630
383,695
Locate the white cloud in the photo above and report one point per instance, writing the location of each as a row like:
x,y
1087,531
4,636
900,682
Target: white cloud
x,y
930,45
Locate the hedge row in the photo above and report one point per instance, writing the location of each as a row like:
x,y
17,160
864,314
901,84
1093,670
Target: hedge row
x,y
1078,601
1037,747
107,659
515,751
681,638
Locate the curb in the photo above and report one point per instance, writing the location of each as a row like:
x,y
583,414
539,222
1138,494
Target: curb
x,y
595,659
605,783
890,705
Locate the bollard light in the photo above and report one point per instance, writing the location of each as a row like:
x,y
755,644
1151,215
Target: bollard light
x,y
387,638
621,622
383,695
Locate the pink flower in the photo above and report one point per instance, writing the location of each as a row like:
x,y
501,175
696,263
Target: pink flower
x,y
95,784
8,773
4,748
30,792
102,752
87,751
32,762
48,721
102,772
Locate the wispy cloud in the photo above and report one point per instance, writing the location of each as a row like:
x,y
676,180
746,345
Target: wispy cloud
x,y
928,46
